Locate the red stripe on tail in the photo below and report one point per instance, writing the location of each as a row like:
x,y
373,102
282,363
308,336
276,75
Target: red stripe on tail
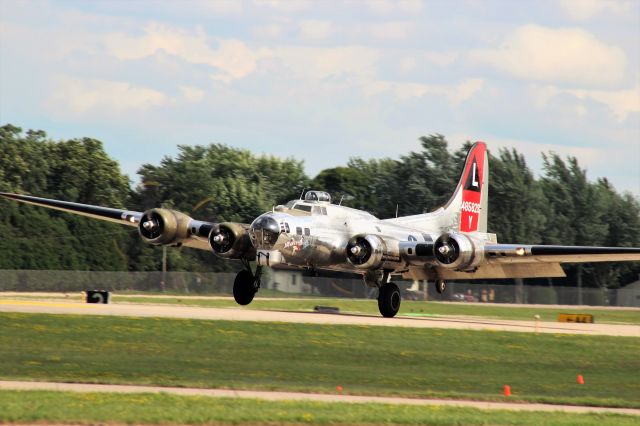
x,y
472,186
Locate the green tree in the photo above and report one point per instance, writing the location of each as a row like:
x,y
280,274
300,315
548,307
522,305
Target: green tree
x,y
74,170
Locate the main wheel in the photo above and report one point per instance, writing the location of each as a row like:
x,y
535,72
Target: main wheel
x,y
441,286
389,300
243,288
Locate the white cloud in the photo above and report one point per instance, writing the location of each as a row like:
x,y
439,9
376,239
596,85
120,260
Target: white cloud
x,y
568,55
441,58
79,96
320,63
222,7
315,29
455,94
191,94
232,58
620,102
582,10
542,94
268,31
396,30
284,5
384,7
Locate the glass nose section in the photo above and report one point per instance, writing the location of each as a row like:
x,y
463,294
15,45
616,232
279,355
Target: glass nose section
x,y
264,232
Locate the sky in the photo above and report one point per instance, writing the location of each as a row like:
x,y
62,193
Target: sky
x,y
325,81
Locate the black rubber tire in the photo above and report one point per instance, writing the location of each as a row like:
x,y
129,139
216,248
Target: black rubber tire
x,y
243,289
441,286
389,300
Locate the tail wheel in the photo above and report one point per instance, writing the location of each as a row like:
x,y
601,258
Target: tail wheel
x,y
244,288
389,300
441,286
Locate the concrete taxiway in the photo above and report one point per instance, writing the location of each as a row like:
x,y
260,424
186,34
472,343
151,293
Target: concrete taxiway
x,y
245,314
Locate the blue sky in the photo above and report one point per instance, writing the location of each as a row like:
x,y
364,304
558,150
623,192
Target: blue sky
x,y
325,81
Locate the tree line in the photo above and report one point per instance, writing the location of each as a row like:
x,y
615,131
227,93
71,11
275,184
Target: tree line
x,y
220,183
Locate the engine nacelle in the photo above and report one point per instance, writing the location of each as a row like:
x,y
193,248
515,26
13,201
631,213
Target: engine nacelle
x,y
231,240
372,252
457,251
163,226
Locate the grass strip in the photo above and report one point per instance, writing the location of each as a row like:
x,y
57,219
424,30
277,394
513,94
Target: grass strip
x,y
91,408
317,358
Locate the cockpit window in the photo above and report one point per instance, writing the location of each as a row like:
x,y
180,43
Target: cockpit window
x,y
302,207
317,196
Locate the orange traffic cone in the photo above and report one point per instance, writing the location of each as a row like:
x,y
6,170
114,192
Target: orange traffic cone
x,y
580,379
507,390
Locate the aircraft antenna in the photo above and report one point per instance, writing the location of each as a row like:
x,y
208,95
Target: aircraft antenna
x,y
340,203
302,193
396,210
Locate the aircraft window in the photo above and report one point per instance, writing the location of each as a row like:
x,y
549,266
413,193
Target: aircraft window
x,y
302,207
317,210
286,226
412,238
307,232
299,230
317,196
324,210
290,204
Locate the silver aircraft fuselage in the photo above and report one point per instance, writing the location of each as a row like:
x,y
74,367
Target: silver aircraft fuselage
x,y
314,234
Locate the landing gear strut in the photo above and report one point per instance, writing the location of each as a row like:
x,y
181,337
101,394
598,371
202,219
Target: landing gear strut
x,y
441,286
246,284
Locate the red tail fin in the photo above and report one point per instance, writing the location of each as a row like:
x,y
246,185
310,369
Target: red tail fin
x,y
473,209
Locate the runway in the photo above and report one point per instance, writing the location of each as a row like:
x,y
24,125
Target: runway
x,y
245,314
299,396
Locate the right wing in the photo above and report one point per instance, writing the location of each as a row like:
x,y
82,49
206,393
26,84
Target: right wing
x,y
193,233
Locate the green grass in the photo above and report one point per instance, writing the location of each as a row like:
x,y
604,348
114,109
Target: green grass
x,y
317,358
408,307
91,408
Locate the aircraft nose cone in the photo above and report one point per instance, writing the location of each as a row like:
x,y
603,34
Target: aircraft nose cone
x,y
356,250
148,225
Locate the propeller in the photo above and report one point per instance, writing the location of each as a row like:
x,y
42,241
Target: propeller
x,y
358,250
446,249
221,239
151,225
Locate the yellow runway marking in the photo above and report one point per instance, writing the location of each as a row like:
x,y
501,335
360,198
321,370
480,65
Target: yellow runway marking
x,y
39,303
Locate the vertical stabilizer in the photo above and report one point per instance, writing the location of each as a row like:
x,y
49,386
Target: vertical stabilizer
x,y
467,209
474,188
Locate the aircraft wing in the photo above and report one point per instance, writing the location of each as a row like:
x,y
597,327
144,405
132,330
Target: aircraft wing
x,y
513,253
199,230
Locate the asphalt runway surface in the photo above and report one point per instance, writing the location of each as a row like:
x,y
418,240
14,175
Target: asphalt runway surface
x,y
299,396
244,314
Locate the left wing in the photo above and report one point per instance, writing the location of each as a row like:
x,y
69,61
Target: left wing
x,y
183,229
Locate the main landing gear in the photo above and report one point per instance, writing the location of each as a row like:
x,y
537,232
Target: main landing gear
x,y
389,300
388,293
441,286
246,284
